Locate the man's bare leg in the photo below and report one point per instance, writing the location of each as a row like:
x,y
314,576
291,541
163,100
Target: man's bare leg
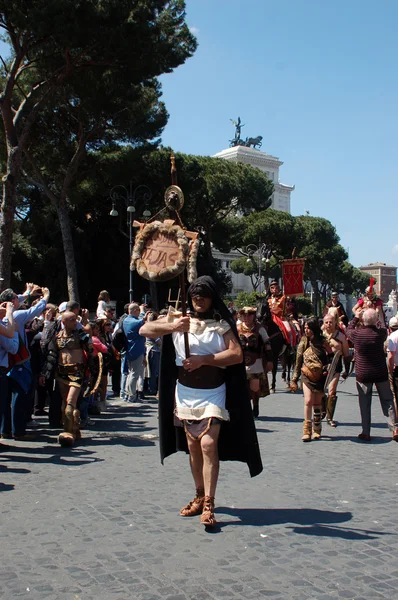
x,y
195,507
211,467
211,463
196,461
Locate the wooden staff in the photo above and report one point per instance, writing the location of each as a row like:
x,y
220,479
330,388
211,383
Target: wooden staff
x,y
181,276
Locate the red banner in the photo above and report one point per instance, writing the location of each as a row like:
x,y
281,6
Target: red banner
x,y
292,275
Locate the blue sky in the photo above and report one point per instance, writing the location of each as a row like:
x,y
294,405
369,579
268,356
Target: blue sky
x,y
318,80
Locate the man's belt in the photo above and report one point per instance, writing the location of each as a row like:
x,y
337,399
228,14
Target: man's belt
x,y
204,378
70,369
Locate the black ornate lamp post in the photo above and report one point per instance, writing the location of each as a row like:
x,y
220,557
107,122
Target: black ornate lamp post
x,y
262,253
141,195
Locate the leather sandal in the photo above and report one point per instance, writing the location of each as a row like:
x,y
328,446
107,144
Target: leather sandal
x,y
195,507
207,517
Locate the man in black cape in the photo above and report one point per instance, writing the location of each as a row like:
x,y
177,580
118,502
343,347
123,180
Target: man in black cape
x,y
237,439
334,302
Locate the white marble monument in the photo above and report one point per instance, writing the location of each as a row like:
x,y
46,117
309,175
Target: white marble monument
x,y
268,164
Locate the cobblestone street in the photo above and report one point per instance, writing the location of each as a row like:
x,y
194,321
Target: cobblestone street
x,y
100,521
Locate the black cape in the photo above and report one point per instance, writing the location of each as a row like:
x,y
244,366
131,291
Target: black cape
x,y
238,437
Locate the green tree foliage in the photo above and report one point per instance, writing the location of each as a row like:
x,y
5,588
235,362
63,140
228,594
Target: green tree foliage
x,y
67,51
312,238
101,242
352,280
304,306
246,299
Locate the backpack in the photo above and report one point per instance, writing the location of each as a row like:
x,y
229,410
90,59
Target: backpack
x,y
119,340
21,356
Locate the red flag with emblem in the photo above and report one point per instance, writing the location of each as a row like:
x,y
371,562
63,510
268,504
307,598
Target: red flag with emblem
x,y
293,276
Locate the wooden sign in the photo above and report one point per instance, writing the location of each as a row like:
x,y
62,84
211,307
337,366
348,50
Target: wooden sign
x,y
161,251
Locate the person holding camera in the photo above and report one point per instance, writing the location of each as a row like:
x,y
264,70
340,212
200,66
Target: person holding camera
x,y
20,375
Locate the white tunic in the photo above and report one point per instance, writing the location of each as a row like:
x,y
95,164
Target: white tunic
x,y
205,337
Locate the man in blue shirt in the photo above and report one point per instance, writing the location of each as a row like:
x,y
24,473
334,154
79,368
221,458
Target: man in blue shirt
x,y
134,360
7,345
20,376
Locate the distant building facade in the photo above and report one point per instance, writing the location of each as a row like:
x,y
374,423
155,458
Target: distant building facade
x,y
269,165
385,276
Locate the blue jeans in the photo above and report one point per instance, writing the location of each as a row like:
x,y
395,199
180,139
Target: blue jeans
x,y
154,362
123,379
4,398
20,404
83,405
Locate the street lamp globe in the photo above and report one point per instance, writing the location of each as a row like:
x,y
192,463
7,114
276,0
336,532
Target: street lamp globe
x,y
146,213
131,208
113,212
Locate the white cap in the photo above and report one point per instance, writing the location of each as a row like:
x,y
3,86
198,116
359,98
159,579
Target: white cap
x,y
393,322
62,307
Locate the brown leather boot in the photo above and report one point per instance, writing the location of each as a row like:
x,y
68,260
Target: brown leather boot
x,y
317,424
195,507
307,431
256,402
76,425
331,407
66,438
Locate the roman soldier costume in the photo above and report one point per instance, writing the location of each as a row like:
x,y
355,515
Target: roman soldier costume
x,y
257,352
278,304
74,374
371,300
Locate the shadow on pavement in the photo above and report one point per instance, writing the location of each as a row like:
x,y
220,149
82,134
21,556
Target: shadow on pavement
x,y
76,456
345,533
6,487
355,440
280,419
110,438
305,521
279,516
6,469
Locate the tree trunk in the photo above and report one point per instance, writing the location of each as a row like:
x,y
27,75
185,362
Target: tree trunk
x,y
209,253
69,252
315,297
7,215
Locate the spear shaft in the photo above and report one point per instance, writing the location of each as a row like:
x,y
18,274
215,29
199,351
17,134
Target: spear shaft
x,y
181,276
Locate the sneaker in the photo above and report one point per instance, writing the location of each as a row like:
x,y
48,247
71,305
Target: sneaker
x,y
27,437
41,413
6,436
32,424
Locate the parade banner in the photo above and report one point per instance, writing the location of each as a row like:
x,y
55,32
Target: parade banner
x,y
292,275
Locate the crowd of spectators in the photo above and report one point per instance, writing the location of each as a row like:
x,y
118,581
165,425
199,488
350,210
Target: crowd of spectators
x,y
128,362
120,357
